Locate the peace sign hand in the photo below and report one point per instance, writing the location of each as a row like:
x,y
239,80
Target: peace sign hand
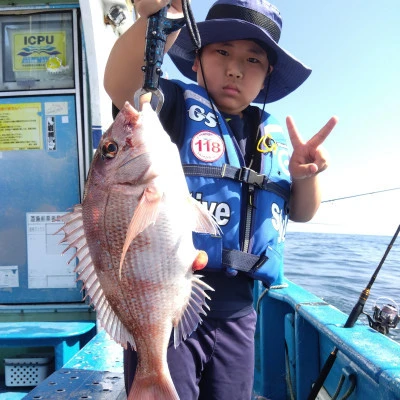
x,y
308,158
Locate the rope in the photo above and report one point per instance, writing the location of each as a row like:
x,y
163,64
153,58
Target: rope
x,y
339,388
259,300
349,391
288,377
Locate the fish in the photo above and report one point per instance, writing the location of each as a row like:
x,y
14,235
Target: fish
x,y
133,239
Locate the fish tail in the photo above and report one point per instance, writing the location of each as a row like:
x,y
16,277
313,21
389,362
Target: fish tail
x,y
153,387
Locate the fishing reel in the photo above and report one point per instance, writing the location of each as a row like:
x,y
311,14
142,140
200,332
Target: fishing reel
x,y
384,317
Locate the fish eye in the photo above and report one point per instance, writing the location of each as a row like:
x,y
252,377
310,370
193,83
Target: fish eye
x,y
109,149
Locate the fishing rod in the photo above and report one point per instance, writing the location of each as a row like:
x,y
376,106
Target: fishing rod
x,y
351,320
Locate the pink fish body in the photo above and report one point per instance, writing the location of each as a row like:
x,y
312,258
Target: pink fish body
x,y
133,235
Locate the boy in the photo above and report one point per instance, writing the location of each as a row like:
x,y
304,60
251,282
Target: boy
x,y
236,161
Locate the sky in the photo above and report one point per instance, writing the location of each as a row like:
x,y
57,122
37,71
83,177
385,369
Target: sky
x,y
353,47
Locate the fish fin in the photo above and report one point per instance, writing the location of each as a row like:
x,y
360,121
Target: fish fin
x,y
153,386
146,214
190,317
74,236
205,221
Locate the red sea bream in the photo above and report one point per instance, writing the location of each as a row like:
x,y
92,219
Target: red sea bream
x,y
133,235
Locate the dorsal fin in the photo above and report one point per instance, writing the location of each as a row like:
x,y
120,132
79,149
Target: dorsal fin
x,y
74,236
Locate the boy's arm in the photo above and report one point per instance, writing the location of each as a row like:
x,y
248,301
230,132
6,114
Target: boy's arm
x,y
307,161
305,199
123,74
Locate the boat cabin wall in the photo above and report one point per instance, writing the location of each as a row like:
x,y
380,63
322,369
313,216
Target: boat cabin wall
x,y
53,110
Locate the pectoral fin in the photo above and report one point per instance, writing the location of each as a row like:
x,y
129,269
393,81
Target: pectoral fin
x,y
205,221
145,215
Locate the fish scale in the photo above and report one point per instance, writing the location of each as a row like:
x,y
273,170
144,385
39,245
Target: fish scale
x,y
133,235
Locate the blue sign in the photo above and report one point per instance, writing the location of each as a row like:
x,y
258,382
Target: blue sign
x,y
39,179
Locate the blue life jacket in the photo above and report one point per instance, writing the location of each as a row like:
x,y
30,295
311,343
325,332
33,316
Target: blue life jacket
x,y
251,207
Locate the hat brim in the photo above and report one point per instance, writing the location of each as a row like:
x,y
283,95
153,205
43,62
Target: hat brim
x,y
288,74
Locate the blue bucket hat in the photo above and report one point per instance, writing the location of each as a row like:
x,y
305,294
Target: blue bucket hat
x,y
255,20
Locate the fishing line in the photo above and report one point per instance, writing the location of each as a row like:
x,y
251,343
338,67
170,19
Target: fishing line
x,y
351,320
191,24
361,194
261,111
259,133
196,40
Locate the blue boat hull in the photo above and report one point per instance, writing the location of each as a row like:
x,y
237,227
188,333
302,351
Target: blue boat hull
x,y
296,333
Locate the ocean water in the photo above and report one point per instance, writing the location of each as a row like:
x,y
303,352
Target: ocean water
x,y
337,267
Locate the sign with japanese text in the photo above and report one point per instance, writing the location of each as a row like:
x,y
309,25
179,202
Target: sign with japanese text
x,y
20,126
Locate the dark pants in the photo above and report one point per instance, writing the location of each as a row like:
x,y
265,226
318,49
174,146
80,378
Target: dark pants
x,y
216,362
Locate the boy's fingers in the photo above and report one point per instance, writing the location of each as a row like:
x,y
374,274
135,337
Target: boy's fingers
x,y
293,133
323,133
317,139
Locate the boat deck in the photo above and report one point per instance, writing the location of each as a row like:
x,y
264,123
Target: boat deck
x,y
296,332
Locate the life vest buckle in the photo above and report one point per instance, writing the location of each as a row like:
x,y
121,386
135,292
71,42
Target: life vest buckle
x,y
251,177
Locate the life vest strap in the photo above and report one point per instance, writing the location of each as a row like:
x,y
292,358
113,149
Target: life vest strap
x,y
241,261
243,174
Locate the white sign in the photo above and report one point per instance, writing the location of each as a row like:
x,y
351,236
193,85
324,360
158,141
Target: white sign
x,y
47,267
9,276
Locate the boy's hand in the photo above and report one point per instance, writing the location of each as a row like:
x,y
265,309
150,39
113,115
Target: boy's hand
x,y
176,7
308,159
145,8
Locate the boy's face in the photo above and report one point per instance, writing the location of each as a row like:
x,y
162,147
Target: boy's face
x,y
234,72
